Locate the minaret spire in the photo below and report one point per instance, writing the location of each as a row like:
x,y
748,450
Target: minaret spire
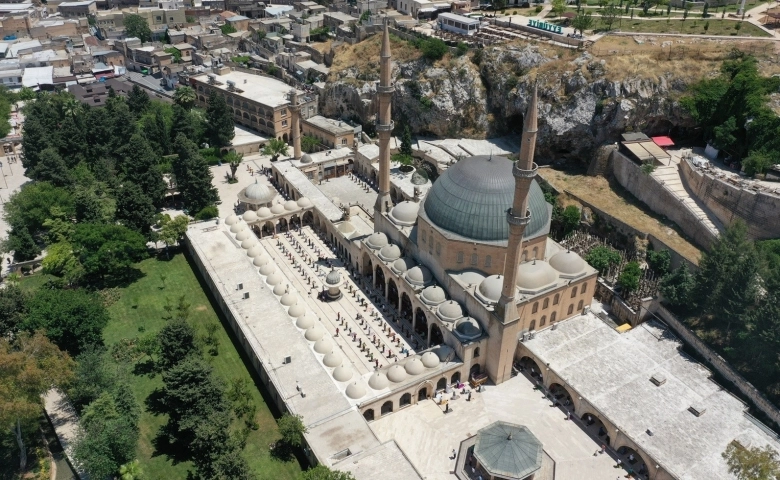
x,y
384,124
518,216
295,124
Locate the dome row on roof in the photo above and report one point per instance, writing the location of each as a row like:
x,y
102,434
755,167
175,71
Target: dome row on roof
x,y
419,276
376,240
405,213
449,311
568,263
306,158
433,295
401,265
343,374
535,275
273,278
468,328
243,235
390,253
237,227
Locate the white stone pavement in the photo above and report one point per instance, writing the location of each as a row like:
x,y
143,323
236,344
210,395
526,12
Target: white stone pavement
x,y
427,435
11,181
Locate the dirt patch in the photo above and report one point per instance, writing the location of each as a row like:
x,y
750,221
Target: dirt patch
x,y
364,56
201,308
612,199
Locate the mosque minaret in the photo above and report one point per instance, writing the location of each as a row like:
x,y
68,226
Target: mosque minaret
x,y
295,124
384,125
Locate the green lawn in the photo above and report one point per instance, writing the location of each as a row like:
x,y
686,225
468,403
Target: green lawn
x,y
140,310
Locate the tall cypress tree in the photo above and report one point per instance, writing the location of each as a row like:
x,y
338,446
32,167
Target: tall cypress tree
x,y
193,177
140,164
221,129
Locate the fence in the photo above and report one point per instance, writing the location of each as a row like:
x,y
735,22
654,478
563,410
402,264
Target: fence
x,y
718,363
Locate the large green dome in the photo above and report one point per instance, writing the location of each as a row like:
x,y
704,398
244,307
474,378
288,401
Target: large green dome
x,y
471,199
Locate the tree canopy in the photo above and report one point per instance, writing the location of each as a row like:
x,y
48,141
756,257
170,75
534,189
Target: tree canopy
x,y
752,463
219,118
137,26
193,176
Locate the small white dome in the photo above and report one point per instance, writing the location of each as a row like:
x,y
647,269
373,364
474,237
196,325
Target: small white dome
x,y
314,333
277,208
260,260
430,360
535,275
255,251
343,374
273,279
333,277
237,227
356,390
304,322
249,216
264,212
248,243
378,381
257,193
567,262
419,276
489,290
433,295
243,235
396,374
401,265
332,359
290,205
449,311
296,310
346,228
377,240
267,269
468,328
390,253
323,345
289,299
231,219
405,213
306,158
280,290
304,202
414,366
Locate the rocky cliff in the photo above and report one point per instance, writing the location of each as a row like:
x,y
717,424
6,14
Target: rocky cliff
x,y
584,101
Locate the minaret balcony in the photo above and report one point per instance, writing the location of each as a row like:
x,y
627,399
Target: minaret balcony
x,y
518,172
385,88
513,219
385,128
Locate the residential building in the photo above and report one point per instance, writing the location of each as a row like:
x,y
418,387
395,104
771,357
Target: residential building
x,y
77,9
334,20
329,132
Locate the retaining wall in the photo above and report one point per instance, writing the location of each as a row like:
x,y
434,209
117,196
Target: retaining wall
x,y
717,362
660,199
730,202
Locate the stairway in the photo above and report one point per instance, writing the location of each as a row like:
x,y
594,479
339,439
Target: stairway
x,y
669,177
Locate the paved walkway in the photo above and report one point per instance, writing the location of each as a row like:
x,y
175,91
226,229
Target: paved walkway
x,y
427,435
11,181
65,421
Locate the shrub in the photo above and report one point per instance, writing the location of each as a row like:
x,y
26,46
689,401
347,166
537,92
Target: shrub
x,y
538,8
462,49
208,212
433,48
426,102
629,277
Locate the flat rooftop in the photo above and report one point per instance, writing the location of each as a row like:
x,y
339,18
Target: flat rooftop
x,y
612,371
336,127
257,88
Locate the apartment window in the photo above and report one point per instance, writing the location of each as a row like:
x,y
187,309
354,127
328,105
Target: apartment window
x,y
488,261
535,308
159,18
582,290
555,300
574,292
543,321
284,112
552,317
284,123
546,303
460,257
474,259
579,305
343,141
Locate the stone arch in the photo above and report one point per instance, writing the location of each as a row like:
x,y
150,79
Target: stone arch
x,y
295,221
283,225
475,369
254,119
269,228
476,352
455,378
423,391
593,425
245,115
441,384
406,399
579,306
379,279
536,253
387,407
535,308
627,453
308,218
406,306
420,322
573,292
546,303
367,267
392,293
561,396
285,138
533,368
369,415
437,338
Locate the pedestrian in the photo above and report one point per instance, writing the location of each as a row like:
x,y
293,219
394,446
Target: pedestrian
x,y
454,454
619,463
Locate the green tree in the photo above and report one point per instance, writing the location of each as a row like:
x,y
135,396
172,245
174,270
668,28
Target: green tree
x,y
172,230
155,128
601,258
73,319
107,250
183,122
433,48
752,464
60,261
659,261
321,472
137,26
141,167
759,343
93,375
174,53
134,209
21,242
131,471
90,208
51,168
228,29
758,163
292,429
13,308
193,176
309,143
570,219
177,342
233,160
275,148
629,277
219,119
582,22
558,7
138,100
184,97
30,365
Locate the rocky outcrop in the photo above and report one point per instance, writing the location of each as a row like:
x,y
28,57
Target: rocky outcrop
x,y
486,93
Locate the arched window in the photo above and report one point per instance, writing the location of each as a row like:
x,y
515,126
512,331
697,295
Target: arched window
x,y
546,303
369,414
555,300
460,257
474,259
552,317
543,321
536,252
488,261
476,352
535,307
532,326
441,384
574,292
387,407
406,399
584,285
571,309
579,305
524,257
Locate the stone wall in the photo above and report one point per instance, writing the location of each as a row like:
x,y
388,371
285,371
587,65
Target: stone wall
x,y
717,362
730,202
660,199
619,308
